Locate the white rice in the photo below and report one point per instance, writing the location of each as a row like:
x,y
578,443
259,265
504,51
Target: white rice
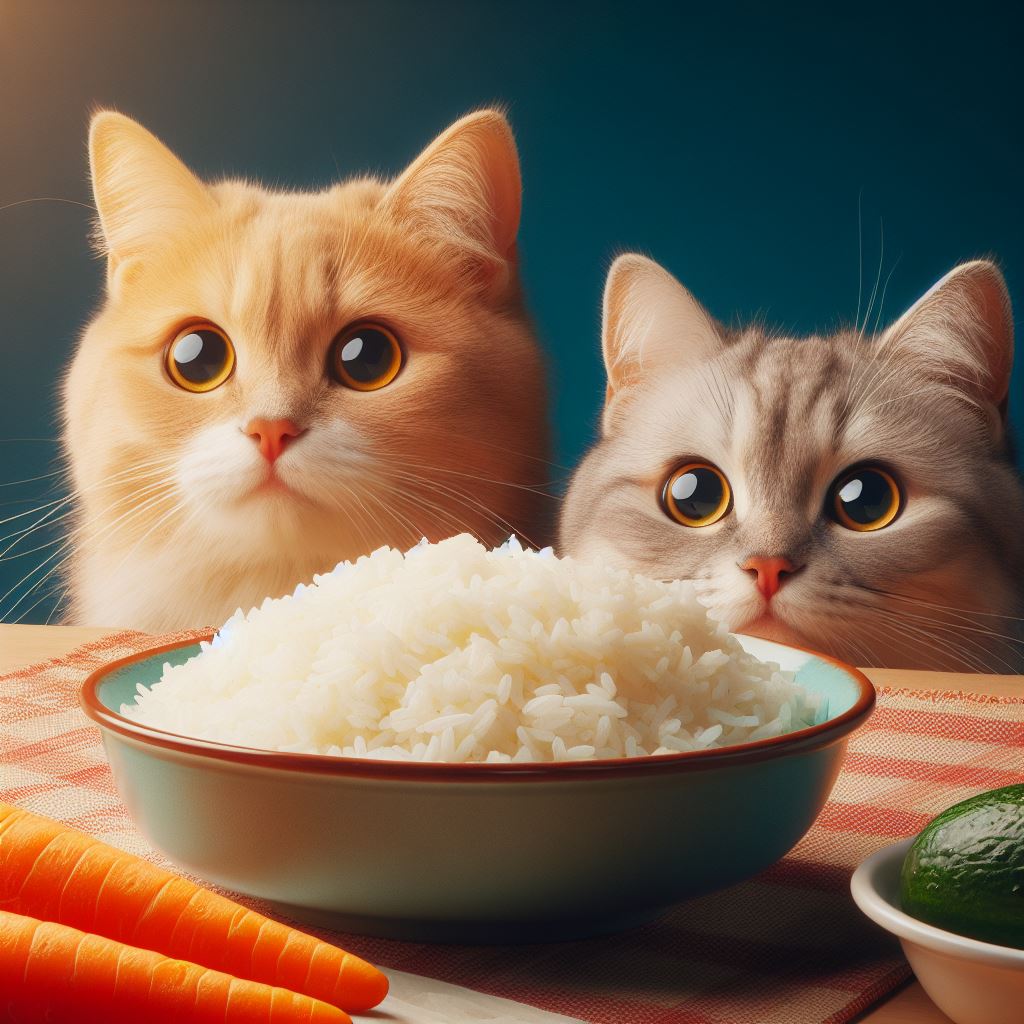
x,y
454,652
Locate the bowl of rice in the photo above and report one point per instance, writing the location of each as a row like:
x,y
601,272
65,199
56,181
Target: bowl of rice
x,y
464,744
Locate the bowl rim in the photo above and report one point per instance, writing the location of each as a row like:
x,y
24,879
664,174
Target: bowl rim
x,y
866,894
801,741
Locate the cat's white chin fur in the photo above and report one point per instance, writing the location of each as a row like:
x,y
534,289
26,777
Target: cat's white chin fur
x,y
768,627
246,540
221,468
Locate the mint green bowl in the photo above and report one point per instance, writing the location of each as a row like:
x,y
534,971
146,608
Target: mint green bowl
x,y
475,852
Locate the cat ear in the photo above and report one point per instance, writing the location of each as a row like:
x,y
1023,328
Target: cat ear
x,y
962,330
144,193
464,188
651,321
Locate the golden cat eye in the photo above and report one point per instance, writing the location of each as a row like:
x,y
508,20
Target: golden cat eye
x,y
366,357
864,499
697,494
200,358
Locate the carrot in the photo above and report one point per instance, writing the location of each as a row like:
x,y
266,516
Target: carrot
x,y
46,968
59,874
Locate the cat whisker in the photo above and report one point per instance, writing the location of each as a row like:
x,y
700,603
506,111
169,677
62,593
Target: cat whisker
x,y
883,367
6,557
860,253
84,533
64,589
402,523
47,199
106,482
987,633
504,527
360,515
865,372
473,476
385,485
70,543
903,397
711,382
948,373
33,479
62,596
866,650
445,517
967,648
142,489
878,277
856,634
421,488
479,442
475,444
45,520
968,612
865,654
410,467
885,288
968,639
847,630
38,508
445,523
462,498
959,620
163,518
926,657
405,483
359,522
46,594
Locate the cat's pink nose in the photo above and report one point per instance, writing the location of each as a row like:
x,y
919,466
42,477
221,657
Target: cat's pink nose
x,y
271,436
771,573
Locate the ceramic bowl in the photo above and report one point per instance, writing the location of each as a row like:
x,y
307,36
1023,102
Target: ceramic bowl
x,y
475,852
972,982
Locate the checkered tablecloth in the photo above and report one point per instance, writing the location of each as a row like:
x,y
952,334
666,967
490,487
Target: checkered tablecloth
x,y
788,946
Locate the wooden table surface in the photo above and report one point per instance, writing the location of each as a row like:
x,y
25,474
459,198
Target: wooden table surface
x,y
22,645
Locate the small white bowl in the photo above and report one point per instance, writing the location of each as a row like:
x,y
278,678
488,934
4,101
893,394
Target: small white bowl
x,y
972,982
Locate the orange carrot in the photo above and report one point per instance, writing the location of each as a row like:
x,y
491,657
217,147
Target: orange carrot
x,y
48,969
59,874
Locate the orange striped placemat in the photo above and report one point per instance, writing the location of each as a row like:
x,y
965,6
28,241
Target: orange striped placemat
x,y
787,946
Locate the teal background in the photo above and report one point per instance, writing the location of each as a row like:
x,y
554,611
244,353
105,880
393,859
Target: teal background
x,y
734,143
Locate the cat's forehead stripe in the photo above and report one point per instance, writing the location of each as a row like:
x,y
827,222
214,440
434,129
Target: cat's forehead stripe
x,y
788,430
829,380
289,285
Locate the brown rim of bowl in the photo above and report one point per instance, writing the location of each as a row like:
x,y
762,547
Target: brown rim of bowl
x,y
802,741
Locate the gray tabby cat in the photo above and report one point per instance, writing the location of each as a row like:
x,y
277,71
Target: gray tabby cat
x,y
850,493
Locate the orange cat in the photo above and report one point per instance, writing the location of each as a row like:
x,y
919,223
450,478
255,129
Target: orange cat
x,y
278,381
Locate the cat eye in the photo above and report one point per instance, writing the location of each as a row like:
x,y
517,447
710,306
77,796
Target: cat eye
x,y
200,358
864,499
697,494
366,357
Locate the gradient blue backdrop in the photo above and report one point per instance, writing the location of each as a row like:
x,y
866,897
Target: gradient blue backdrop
x,y
731,142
